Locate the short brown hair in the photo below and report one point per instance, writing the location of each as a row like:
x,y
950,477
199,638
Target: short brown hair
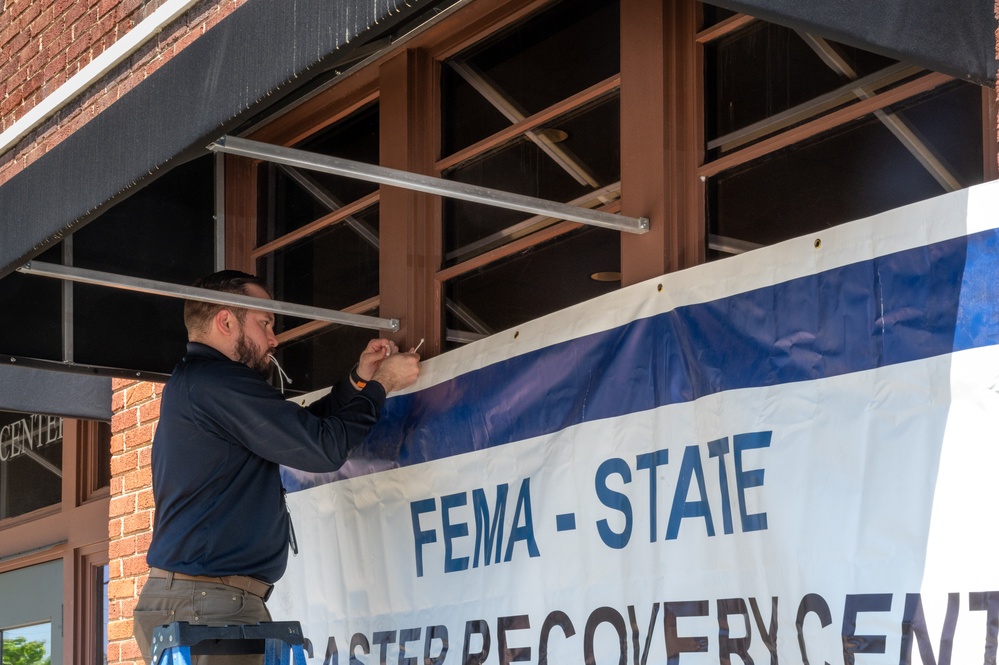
x,y
198,314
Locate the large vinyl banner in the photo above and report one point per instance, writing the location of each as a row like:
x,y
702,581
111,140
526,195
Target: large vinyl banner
x,y
788,456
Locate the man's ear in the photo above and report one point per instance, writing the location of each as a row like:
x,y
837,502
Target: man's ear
x,y
225,322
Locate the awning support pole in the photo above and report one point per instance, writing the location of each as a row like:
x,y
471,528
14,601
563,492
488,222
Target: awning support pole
x,y
421,183
154,287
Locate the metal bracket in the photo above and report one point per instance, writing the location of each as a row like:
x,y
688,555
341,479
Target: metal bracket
x,y
421,183
154,287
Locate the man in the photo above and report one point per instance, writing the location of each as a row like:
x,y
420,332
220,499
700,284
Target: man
x,y
221,530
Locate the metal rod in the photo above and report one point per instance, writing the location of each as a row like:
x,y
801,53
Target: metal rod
x,y
219,237
463,337
141,285
68,301
421,183
468,317
731,245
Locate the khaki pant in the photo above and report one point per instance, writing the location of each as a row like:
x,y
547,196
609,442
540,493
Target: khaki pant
x,y
164,601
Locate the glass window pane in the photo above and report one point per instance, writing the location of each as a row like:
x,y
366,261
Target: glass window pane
x,y
712,15
31,611
34,305
30,462
28,645
765,69
544,279
852,172
537,63
334,269
102,578
588,138
949,122
101,450
165,231
290,200
285,205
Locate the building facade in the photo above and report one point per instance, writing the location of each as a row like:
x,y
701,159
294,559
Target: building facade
x,y
728,130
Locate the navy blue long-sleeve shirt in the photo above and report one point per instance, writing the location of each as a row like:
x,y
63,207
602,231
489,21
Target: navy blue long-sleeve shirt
x,y
223,432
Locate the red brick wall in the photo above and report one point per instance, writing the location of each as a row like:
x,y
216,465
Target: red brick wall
x,y
45,42
136,408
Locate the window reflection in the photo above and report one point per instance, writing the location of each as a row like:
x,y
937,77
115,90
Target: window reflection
x,y
27,645
103,577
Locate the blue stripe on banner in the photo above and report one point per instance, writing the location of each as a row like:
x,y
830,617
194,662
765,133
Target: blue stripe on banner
x,y
906,306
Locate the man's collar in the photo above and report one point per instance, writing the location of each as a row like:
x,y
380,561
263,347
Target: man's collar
x,y
205,351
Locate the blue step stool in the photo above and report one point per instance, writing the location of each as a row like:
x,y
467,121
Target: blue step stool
x,y
279,641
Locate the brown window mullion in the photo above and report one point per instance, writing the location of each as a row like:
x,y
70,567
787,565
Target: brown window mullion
x,y
815,127
661,137
532,122
410,221
73,457
723,28
311,228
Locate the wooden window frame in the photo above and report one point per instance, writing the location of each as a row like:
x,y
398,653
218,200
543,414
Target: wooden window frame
x,y
88,474
87,615
74,530
661,88
662,104
781,139
407,81
294,125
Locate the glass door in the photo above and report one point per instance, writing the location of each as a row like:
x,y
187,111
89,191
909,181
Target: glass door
x,y
31,615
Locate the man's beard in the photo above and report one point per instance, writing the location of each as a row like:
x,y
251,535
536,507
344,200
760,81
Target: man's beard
x,y
252,357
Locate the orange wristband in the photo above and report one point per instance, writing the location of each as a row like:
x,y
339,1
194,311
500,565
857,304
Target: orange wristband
x,y
356,379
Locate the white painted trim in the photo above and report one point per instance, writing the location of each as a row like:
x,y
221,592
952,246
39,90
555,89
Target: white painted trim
x,y
98,67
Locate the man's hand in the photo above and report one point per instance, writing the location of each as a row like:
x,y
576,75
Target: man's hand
x,y
398,371
381,361
373,355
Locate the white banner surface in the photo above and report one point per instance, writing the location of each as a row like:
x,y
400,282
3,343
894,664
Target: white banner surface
x,y
786,456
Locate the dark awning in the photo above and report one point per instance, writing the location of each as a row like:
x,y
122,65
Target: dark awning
x,y
221,79
31,390
955,37
256,56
